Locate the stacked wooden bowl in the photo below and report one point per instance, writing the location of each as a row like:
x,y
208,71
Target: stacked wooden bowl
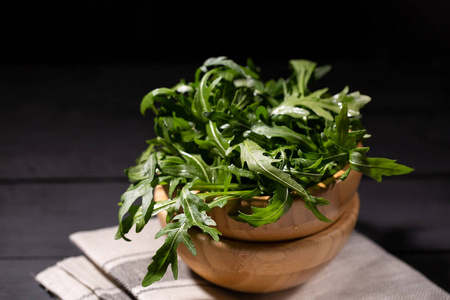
x,y
276,256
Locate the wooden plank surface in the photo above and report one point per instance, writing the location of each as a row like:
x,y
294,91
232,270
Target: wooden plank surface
x,y
40,217
67,133
17,278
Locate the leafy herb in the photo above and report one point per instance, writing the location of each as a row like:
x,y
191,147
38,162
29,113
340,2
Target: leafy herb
x,y
375,167
229,134
279,204
177,232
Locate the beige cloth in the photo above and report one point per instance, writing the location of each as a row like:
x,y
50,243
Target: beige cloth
x,y
113,269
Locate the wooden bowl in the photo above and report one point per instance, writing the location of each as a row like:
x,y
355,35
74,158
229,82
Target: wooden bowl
x,y
270,266
298,221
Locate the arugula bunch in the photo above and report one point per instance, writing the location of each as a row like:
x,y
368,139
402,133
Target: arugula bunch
x,y
229,134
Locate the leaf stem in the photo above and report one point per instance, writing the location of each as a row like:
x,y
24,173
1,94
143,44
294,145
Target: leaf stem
x,y
218,186
221,193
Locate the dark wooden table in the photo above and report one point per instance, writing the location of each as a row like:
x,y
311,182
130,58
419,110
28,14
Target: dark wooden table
x,y
69,130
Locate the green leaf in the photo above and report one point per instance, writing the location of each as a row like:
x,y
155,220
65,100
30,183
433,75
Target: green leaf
x,y
261,113
241,172
224,61
293,104
220,201
315,210
169,205
222,119
279,204
319,108
355,101
342,127
143,170
149,99
134,217
312,101
147,207
376,167
205,90
190,166
303,70
195,210
217,139
285,133
315,176
177,233
204,186
197,162
292,111
259,139
345,175
143,175
257,162
128,198
174,182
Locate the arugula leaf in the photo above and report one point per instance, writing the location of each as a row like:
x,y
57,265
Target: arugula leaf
x,y
257,162
177,233
279,204
189,166
128,198
223,61
134,217
320,105
355,101
342,126
205,90
311,101
169,205
217,139
173,184
375,167
284,132
195,210
147,208
220,201
241,172
149,99
222,119
290,110
303,70
196,162
145,169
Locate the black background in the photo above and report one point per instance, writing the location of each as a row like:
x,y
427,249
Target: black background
x,y
170,31
72,76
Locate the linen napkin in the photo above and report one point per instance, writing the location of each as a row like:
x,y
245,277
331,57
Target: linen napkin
x,y
113,269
